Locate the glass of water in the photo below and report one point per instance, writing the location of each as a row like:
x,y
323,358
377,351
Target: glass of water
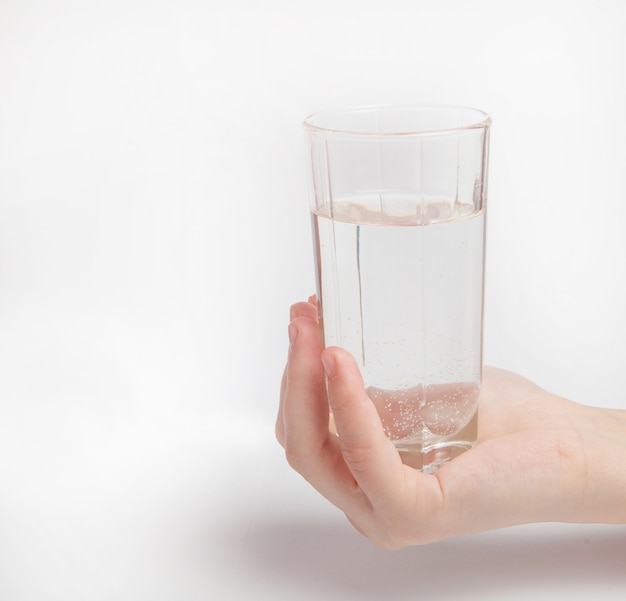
x,y
398,201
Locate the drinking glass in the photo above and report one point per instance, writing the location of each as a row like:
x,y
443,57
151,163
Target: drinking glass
x,y
398,202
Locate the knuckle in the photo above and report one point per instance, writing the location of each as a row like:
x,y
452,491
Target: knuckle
x,y
294,458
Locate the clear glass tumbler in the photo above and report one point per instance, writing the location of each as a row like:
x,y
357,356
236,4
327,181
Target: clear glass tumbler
x,y
398,201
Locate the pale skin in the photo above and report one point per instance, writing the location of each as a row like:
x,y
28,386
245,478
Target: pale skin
x,y
539,457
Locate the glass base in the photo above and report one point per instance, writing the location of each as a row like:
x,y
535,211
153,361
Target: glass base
x,y
428,457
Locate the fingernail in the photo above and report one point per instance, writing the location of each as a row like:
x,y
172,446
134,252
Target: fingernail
x,y
292,313
330,366
293,334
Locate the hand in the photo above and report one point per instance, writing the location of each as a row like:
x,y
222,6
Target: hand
x,y
539,457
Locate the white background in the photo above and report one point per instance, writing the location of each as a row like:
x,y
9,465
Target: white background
x,y
154,231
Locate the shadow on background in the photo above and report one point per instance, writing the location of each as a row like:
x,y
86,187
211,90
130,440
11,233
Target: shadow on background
x,y
324,558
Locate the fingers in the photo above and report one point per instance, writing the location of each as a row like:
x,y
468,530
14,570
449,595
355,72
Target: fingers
x,y
305,407
370,456
303,421
358,469
302,309
403,505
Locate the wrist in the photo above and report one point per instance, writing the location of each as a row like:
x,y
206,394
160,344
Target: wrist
x,y
604,439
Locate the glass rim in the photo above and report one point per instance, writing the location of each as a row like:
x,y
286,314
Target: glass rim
x,y
482,120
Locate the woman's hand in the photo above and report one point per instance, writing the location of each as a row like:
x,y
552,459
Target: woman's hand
x,y
539,457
